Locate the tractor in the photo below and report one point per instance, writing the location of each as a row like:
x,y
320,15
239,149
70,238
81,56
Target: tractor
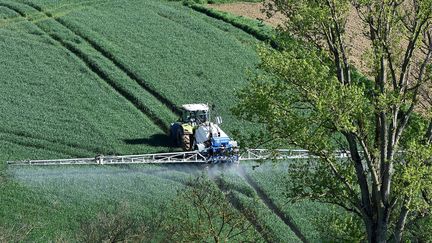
x,y
195,131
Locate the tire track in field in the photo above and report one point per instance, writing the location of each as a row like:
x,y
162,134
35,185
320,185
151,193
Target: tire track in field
x,y
38,146
270,204
70,145
6,18
77,6
108,55
236,204
94,67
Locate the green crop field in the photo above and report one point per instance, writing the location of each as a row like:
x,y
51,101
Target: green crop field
x,y
96,76
55,200
80,78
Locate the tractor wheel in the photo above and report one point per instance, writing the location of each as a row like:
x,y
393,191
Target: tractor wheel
x,y
187,143
179,138
175,134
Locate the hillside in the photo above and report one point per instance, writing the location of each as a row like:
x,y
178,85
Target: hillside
x,y
100,77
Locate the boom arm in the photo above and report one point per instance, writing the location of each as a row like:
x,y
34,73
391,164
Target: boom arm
x,y
193,157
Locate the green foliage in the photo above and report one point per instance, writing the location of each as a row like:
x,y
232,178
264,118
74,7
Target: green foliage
x,y
302,91
315,181
202,212
335,225
308,97
118,225
420,230
310,16
412,176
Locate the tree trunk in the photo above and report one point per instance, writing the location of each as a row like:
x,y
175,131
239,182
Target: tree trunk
x,y
401,225
375,232
382,231
369,229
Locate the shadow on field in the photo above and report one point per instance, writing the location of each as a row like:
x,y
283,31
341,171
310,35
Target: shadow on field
x,y
156,140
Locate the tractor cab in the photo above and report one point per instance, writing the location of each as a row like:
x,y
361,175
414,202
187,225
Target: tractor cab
x,y
195,114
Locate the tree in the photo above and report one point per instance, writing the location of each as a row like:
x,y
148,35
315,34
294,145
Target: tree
x,y
119,225
201,213
311,97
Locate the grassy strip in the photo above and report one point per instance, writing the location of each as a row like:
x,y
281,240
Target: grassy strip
x,y
94,43
6,14
253,27
25,135
98,44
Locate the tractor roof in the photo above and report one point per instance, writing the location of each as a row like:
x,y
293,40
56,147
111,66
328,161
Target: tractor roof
x,y
196,107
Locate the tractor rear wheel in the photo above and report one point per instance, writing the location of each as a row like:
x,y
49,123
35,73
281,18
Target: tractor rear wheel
x,y
186,142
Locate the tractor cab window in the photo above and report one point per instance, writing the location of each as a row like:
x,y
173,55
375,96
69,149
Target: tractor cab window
x,y
195,116
186,116
202,116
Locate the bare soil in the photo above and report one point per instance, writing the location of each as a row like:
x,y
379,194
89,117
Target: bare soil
x,y
250,10
357,47
358,43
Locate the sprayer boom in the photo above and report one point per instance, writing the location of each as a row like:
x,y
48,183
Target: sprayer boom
x,y
193,157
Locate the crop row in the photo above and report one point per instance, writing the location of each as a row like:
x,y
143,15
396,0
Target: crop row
x,y
46,145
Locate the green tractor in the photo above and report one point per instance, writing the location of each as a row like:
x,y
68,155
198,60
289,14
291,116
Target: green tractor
x,y
182,131
195,131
